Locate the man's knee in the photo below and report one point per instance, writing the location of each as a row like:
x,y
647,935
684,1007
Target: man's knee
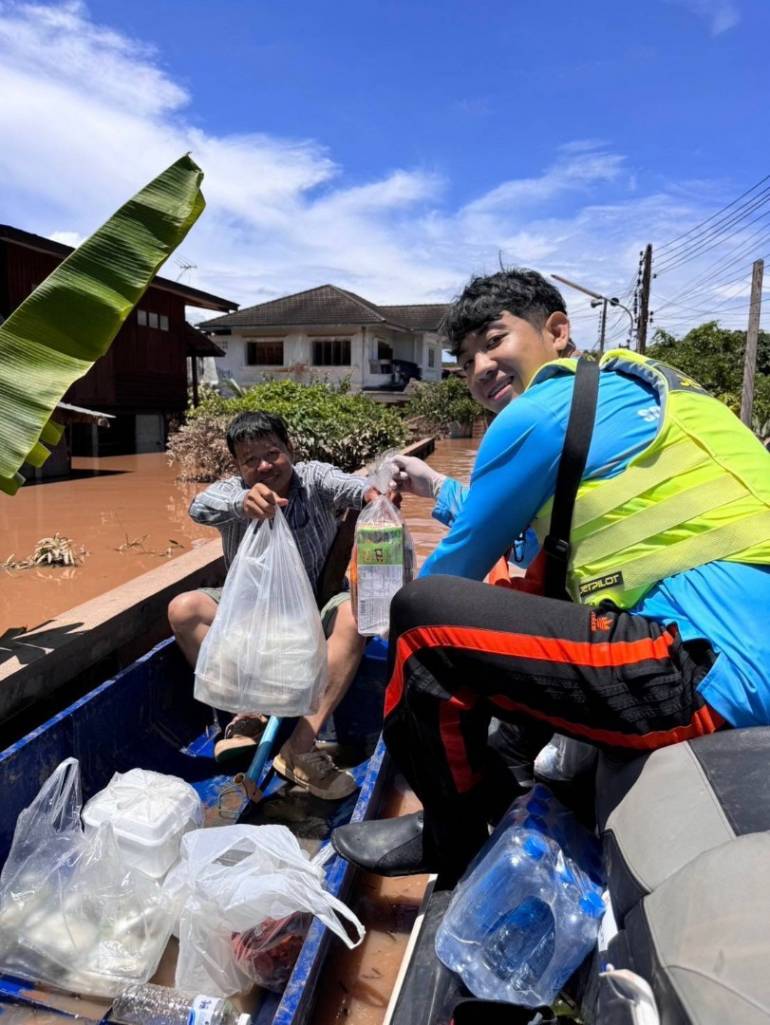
x,y
191,609
415,603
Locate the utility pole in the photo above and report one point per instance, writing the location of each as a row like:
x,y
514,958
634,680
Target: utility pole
x,y
644,301
603,326
598,298
750,358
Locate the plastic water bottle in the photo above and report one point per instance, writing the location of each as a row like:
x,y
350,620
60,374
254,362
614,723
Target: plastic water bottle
x,y
522,921
160,1005
541,812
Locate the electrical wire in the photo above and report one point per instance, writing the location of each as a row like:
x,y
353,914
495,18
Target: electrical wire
x,y
697,227
706,245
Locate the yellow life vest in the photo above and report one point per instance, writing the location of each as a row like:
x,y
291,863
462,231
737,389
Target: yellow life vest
x,y
698,493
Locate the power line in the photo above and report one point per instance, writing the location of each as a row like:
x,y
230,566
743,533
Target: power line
x,y
707,244
666,245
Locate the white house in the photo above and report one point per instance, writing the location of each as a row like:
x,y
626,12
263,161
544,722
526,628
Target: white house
x,y
328,333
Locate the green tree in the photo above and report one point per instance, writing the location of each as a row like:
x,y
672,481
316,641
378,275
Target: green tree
x,y
324,423
440,404
713,356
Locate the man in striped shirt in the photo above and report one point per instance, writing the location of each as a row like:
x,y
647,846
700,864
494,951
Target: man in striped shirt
x,y
312,496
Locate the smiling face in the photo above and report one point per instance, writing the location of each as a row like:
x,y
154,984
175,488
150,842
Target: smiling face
x,y
500,359
267,461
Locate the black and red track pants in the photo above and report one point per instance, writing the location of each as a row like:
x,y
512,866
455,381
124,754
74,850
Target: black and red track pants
x,y
462,652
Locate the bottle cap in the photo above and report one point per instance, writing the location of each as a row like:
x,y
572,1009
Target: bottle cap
x,y
592,904
535,847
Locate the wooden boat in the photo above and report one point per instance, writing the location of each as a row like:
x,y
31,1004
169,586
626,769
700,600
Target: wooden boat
x,y
146,716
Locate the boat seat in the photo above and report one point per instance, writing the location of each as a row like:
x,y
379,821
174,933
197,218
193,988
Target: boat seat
x,y
701,939
660,812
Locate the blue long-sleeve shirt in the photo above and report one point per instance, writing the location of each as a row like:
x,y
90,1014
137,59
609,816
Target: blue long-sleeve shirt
x,y
515,474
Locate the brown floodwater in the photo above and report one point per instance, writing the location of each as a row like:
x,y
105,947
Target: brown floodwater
x,y
126,515
129,513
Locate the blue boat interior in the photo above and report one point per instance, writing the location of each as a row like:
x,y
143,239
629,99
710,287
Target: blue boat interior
x,y
146,717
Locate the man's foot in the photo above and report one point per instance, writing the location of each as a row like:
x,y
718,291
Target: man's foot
x,y
389,847
241,736
316,773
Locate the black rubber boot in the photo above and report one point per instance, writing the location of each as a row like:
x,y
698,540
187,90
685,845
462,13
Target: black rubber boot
x,y
388,847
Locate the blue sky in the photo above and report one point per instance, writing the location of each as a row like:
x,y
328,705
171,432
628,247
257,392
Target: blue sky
x,y
395,148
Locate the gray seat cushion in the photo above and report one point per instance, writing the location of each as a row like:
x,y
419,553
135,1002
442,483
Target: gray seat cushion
x,y
660,811
702,938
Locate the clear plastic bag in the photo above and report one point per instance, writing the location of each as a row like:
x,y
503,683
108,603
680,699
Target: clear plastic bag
x,y
72,914
383,555
268,954
564,758
235,880
266,650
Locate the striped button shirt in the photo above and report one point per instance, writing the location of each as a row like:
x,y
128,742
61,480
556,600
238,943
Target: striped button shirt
x,y
318,496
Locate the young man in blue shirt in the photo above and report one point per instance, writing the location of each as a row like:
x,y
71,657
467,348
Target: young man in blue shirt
x,y
656,665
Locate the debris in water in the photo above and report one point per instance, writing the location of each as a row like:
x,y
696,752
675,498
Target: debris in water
x,y
49,551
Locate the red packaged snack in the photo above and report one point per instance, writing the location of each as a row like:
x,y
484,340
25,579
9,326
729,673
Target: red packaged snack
x,y
268,952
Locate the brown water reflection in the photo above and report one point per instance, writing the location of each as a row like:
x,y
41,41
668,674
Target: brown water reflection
x,y
127,511
111,503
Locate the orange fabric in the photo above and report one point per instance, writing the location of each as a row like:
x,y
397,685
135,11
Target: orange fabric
x,y
533,581
498,642
548,649
705,721
453,741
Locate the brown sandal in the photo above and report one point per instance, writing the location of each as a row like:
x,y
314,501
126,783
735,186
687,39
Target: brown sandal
x,y
240,736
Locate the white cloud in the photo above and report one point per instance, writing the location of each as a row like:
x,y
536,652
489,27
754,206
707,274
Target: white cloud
x,y
88,116
719,15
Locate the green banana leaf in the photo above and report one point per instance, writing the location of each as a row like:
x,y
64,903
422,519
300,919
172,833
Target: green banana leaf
x,y
71,319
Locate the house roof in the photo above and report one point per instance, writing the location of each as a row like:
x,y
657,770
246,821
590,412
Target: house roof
x,y
199,344
418,316
329,304
192,296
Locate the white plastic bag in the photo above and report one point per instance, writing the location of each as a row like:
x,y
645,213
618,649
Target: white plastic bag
x,y
237,879
266,650
564,758
72,914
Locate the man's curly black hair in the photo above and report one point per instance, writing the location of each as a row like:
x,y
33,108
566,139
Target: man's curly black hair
x,y
522,292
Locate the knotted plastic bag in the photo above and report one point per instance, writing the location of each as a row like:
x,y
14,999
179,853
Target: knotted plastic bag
x,y
72,913
266,650
235,885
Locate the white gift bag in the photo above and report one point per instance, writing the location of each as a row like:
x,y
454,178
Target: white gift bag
x,y
266,650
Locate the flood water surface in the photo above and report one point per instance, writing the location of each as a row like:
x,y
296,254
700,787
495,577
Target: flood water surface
x,y
126,515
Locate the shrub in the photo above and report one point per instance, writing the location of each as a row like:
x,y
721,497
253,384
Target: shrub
x,y
438,405
324,423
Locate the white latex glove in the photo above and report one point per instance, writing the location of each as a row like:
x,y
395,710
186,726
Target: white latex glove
x,y
414,475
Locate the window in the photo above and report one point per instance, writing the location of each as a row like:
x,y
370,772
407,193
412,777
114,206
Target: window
x,y
431,357
141,318
384,351
152,320
163,323
264,354
331,352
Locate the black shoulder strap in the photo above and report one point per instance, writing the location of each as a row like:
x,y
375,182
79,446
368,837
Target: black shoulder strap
x,y
577,441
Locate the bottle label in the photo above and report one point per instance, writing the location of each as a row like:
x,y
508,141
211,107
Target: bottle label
x,y
203,1010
